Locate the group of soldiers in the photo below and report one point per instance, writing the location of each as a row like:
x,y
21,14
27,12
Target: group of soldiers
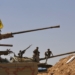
x,y
36,54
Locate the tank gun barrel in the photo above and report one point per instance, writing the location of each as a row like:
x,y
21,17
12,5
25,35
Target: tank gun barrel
x,y
6,45
35,29
10,35
5,52
58,55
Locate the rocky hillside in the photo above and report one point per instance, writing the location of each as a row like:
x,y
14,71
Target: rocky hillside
x,y
62,67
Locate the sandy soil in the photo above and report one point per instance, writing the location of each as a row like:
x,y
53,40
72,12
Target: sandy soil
x,y
61,67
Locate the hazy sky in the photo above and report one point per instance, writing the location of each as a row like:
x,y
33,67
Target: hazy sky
x,y
18,15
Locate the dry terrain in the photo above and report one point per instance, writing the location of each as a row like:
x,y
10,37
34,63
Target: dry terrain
x,y
61,67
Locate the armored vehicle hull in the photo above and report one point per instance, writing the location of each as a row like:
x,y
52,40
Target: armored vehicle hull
x,y
23,68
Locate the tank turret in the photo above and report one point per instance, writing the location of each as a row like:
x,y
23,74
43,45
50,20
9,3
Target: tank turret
x,y
7,45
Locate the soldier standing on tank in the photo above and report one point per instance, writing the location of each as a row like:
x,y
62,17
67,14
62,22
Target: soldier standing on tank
x,y
48,53
20,54
36,54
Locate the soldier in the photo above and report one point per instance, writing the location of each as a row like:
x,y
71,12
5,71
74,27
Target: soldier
x,y
36,54
48,53
21,53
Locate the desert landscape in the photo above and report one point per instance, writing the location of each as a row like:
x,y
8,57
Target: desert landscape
x,y
65,66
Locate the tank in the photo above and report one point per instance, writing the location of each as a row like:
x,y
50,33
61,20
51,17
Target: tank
x,y
18,65
19,57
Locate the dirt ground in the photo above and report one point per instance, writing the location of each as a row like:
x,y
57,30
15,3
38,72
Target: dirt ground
x,y
61,67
